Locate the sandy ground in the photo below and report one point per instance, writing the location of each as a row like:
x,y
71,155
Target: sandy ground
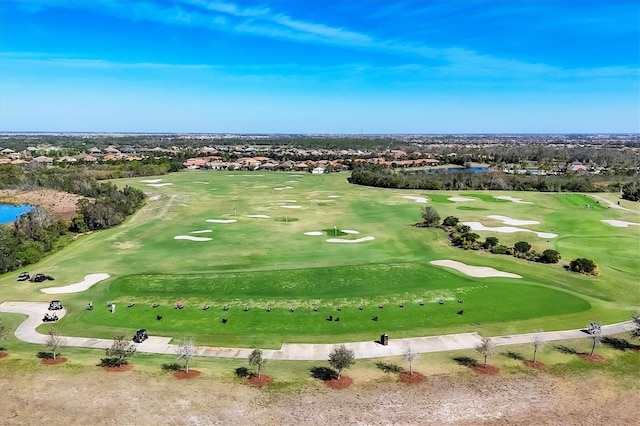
x,y
89,280
342,240
416,199
460,199
474,271
60,205
619,223
191,238
477,226
512,199
98,397
511,221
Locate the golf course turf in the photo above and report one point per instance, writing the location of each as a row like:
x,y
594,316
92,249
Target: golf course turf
x,y
274,284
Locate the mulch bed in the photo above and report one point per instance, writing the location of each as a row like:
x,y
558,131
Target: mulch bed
x,y
51,361
536,365
124,367
3,354
592,358
405,377
490,370
181,374
341,383
264,380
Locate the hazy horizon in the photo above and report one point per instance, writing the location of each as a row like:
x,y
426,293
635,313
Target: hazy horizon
x,y
334,67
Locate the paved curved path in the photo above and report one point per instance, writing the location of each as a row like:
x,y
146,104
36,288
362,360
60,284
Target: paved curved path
x,y
293,351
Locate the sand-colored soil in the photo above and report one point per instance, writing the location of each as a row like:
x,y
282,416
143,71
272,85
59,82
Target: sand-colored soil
x,y
342,240
60,205
512,199
291,207
221,220
259,216
151,181
349,231
619,223
474,271
416,199
515,222
203,231
313,233
460,199
89,280
128,398
477,226
191,238
159,185
282,188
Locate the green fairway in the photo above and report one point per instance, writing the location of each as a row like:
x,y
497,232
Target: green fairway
x,y
262,241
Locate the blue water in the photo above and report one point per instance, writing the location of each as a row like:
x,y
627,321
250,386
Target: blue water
x,y
458,170
9,213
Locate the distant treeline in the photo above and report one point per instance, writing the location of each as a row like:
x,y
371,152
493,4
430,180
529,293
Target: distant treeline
x,y
384,177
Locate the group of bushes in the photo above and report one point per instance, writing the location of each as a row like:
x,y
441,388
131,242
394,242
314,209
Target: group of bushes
x,y
461,236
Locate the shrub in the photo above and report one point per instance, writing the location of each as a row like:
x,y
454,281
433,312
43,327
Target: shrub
x,y
522,247
584,266
549,256
450,221
500,249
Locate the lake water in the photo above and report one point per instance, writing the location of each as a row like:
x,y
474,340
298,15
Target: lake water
x,y
458,170
9,213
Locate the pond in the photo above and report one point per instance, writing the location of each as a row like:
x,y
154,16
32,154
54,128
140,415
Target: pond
x,y
9,212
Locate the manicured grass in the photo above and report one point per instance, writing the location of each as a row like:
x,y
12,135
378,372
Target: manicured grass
x,y
265,263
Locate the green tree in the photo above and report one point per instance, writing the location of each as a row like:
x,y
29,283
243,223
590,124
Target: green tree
x,y
450,221
430,216
490,242
584,266
341,358
631,191
256,359
522,247
549,256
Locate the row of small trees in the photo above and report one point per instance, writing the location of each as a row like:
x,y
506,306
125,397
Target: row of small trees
x,y
461,236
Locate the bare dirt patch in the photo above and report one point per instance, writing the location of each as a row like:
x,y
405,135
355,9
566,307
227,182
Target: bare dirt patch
x,y
490,370
592,358
181,374
3,354
256,381
123,367
535,365
342,383
60,205
51,361
416,377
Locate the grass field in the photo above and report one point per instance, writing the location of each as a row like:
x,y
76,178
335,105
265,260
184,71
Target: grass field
x,y
263,263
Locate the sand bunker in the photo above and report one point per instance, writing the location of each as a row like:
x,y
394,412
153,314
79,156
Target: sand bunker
x,y
477,226
291,207
201,182
159,185
88,281
416,199
154,198
460,199
204,231
292,181
191,238
619,223
282,188
341,240
333,196
151,181
515,222
474,271
349,231
512,199
286,201
313,233
259,216
221,220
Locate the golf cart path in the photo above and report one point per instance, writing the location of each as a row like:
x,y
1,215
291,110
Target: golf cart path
x,y
35,311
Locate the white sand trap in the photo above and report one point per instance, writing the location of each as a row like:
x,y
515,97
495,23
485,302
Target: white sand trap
x,y
515,222
88,281
159,185
341,240
461,199
201,182
349,231
154,198
282,188
259,216
474,271
619,223
286,201
221,220
512,199
416,199
191,238
333,196
477,226
292,181
151,181
204,231
291,207
313,233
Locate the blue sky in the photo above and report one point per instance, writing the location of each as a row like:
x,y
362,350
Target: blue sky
x,y
320,66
